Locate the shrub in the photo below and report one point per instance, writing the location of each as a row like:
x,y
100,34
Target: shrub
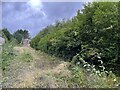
x,y
93,34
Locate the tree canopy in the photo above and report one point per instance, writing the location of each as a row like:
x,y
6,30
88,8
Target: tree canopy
x,y
6,34
21,34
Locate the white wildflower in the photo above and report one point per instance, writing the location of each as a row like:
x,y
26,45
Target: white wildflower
x,y
94,69
110,71
88,69
103,68
88,65
106,71
97,72
84,65
78,63
114,80
100,61
99,57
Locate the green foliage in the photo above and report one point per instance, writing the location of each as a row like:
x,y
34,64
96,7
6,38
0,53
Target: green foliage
x,y
93,34
21,34
7,54
91,78
78,76
25,57
6,34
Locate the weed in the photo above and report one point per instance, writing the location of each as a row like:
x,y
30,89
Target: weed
x,y
25,57
88,76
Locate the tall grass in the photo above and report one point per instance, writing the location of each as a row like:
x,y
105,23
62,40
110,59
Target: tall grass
x,y
7,54
87,76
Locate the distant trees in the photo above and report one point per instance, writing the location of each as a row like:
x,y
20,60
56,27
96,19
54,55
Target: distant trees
x,y
17,36
21,34
7,34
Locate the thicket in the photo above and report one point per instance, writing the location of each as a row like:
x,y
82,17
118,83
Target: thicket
x,y
93,35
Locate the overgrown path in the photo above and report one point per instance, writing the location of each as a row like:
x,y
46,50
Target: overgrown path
x,y
35,69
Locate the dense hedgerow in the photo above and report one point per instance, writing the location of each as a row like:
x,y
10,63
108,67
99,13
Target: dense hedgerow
x,y
94,33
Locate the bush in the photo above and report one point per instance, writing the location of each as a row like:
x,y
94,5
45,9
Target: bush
x,y
93,34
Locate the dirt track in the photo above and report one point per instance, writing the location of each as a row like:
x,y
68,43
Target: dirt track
x,y
41,71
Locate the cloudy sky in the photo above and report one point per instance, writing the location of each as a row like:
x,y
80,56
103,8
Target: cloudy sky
x,y
35,15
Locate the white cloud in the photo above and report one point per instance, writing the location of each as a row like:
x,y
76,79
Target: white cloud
x,y
35,4
31,8
34,15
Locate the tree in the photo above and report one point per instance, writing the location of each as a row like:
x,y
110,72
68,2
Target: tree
x,y
7,34
21,34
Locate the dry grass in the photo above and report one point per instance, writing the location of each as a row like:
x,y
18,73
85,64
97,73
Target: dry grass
x,y
41,71
44,71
